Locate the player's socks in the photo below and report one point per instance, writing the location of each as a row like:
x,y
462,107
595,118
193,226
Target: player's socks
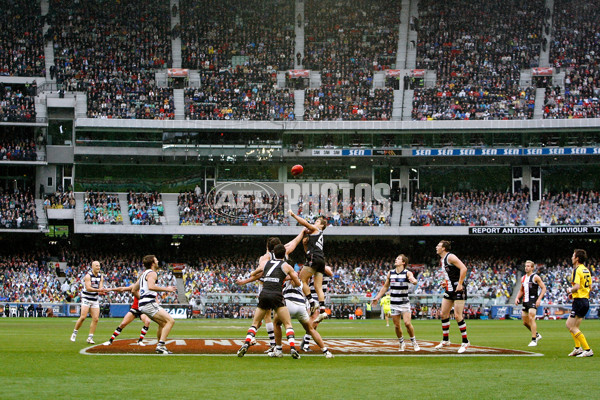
x,y
289,333
251,333
143,333
577,342
306,340
116,333
445,329
271,333
279,348
325,350
413,339
462,325
75,331
401,340
584,344
321,307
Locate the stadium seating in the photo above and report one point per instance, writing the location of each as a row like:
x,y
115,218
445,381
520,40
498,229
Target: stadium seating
x,y
478,51
17,211
102,208
21,39
472,208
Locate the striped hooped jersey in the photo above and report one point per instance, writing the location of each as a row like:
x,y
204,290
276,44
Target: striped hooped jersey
x,y
95,283
530,288
147,296
313,292
293,293
399,287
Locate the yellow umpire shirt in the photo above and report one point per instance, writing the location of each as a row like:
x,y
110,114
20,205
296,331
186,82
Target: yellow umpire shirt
x,y
582,276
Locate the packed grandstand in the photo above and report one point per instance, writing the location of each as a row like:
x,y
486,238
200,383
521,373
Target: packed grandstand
x,y
131,120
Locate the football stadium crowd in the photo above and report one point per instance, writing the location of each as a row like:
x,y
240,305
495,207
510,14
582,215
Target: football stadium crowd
x,y
575,48
17,103
17,211
59,200
145,208
21,39
473,208
15,146
569,208
112,54
206,209
347,45
101,208
477,51
34,278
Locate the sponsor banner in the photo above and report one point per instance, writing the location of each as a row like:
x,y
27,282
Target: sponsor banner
x,y
548,311
387,152
177,311
177,72
534,230
393,72
327,152
299,73
357,152
417,73
531,151
178,266
542,71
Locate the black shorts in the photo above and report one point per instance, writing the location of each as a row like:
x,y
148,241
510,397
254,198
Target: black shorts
x,y
454,295
529,305
270,300
136,313
317,264
580,308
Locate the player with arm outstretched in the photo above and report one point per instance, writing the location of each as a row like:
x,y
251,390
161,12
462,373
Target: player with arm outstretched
x,y
315,257
397,280
274,272
133,313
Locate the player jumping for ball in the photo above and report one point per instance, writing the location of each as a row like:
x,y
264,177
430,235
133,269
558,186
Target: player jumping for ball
x,y
316,260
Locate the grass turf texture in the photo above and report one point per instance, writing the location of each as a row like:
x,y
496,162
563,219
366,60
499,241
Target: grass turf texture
x,y
39,361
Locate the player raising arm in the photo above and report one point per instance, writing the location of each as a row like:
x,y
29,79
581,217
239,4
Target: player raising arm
x,y
316,260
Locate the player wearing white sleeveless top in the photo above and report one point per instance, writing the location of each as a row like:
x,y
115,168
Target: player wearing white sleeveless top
x,y
146,290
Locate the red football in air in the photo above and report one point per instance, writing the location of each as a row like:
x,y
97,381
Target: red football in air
x,y
297,169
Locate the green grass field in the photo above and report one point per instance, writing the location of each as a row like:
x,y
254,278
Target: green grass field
x,y
38,361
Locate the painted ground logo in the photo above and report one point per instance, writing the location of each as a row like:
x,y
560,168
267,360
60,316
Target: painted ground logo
x,y
349,347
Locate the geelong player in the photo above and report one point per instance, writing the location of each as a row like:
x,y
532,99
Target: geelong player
x,y
456,294
147,288
531,284
397,280
274,273
582,284
93,283
316,260
316,318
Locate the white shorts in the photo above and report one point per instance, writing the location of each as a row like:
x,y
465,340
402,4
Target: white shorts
x,y
399,310
90,304
150,309
297,310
